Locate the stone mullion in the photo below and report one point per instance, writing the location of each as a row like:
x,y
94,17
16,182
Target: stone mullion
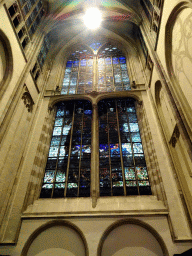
x,y
94,156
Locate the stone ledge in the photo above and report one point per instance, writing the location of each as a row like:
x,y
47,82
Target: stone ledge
x,y
105,205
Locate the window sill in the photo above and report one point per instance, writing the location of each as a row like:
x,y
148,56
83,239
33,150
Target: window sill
x,y
141,205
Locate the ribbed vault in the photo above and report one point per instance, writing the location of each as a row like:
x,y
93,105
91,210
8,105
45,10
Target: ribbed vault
x,y
64,20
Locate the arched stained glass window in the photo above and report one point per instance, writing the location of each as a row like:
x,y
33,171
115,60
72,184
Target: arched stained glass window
x,y
78,77
104,72
122,168
122,164
67,172
112,70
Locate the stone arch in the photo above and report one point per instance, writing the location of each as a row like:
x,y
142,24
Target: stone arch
x,y
48,236
178,54
137,229
6,62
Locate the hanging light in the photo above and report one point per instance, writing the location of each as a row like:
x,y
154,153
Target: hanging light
x,y
92,18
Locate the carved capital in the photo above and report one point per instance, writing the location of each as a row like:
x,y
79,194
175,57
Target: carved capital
x,y
175,136
94,94
27,99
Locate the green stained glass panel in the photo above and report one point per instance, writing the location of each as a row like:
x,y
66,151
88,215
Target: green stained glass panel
x,y
129,173
131,183
143,183
60,185
72,185
49,176
118,184
47,186
142,173
60,176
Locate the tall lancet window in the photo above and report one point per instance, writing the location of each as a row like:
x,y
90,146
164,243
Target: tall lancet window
x,y
112,70
78,77
67,172
122,164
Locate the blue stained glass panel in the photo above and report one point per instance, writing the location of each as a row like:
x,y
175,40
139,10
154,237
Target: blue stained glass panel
x,y
55,141
75,63
58,121
114,150
63,151
66,129
134,127
83,62
125,127
115,60
88,112
69,63
137,148
76,150
60,112
130,109
108,61
86,149
135,137
53,151
122,60
104,150
132,118
126,149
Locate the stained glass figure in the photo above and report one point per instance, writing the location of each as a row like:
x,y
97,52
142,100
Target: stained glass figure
x,y
122,163
67,172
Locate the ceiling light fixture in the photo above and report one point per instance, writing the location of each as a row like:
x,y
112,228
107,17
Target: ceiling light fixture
x,y
92,18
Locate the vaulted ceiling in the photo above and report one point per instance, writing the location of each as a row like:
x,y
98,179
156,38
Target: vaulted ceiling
x,y
65,23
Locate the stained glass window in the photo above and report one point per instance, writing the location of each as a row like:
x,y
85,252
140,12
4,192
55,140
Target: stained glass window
x,y
122,164
111,75
67,172
112,70
78,77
